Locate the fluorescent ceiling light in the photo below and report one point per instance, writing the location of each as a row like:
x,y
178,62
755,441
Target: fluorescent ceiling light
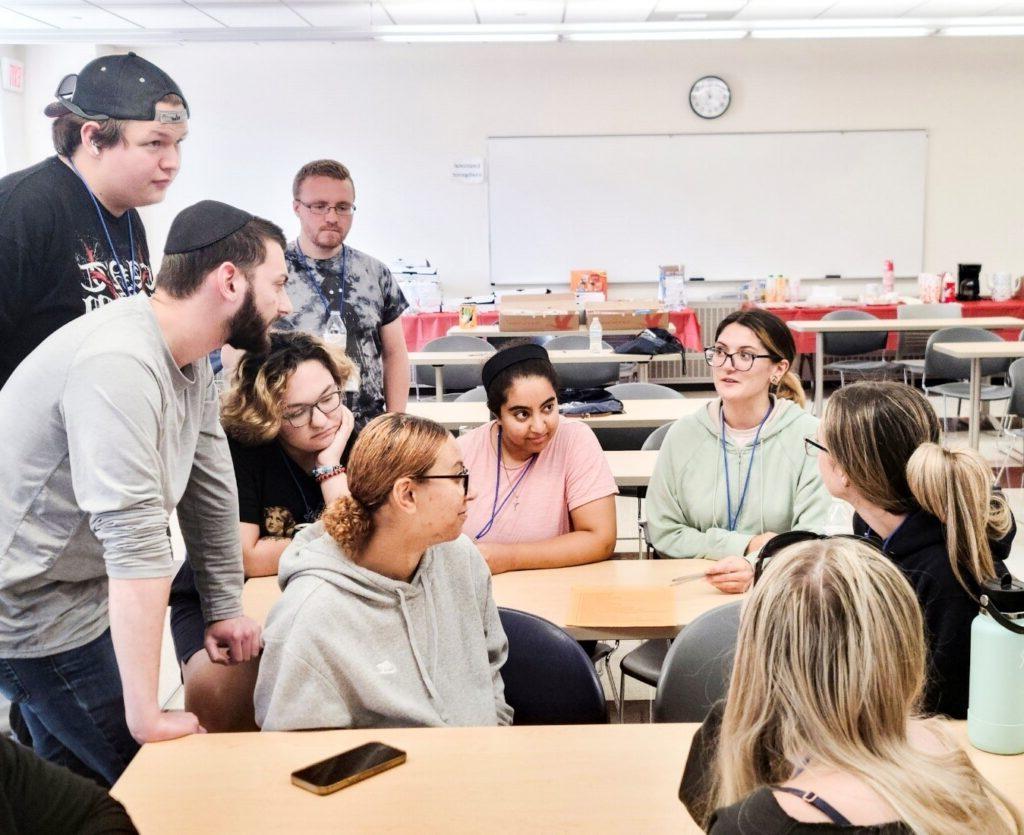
x,y
476,38
681,35
982,31
861,32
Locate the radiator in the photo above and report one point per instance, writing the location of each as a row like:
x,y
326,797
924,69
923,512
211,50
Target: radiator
x,y
694,369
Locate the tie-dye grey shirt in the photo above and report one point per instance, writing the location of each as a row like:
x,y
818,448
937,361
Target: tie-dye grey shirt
x,y
363,290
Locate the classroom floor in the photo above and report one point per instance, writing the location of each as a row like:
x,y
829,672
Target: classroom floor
x,y
637,694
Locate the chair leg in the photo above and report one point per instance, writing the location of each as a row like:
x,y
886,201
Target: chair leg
x,y
611,677
622,693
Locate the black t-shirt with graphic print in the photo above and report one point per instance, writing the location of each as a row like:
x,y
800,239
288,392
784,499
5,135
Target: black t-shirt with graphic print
x,y
55,261
273,491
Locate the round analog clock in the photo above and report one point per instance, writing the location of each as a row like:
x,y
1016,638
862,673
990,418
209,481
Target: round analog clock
x,y
710,97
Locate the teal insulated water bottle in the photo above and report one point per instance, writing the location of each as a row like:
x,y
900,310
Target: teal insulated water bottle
x,y
995,712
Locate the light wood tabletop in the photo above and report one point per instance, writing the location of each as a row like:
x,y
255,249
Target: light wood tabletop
x,y
631,467
819,327
636,413
548,593
976,352
491,331
567,778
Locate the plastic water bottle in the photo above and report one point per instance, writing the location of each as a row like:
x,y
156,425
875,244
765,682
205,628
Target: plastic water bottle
x,y
839,519
995,706
596,335
335,332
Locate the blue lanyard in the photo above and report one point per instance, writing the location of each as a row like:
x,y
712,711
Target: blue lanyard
x,y
311,275
495,507
750,468
126,281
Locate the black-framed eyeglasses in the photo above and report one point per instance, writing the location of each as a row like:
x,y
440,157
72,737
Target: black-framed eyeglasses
x,y
777,543
464,475
741,360
813,448
300,415
341,209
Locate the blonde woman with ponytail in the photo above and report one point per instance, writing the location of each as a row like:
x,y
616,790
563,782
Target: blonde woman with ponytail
x,y
386,617
729,478
933,509
819,730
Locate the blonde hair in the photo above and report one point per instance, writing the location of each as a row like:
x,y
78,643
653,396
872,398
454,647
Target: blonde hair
x,y
391,447
251,409
777,339
885,438
830,664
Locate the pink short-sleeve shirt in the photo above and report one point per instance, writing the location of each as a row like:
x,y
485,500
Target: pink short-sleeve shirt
x,y
571,471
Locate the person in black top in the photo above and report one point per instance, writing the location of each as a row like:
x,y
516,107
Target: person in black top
x,y
819,731
933,509
70,237
289,433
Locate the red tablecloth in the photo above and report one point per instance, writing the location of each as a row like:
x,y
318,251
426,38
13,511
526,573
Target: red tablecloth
x,y
422,327
805,341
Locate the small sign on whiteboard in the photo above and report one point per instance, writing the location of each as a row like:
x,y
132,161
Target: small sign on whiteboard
x,y
13,74
468,170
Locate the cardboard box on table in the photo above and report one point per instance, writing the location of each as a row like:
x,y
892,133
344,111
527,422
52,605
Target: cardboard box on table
x,y
548,312
628,314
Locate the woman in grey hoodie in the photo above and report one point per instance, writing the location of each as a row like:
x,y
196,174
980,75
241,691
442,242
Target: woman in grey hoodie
x,y
386,617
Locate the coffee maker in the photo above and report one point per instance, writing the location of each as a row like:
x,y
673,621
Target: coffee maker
x,y
968,282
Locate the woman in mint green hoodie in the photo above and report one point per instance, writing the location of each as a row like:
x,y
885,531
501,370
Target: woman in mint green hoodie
x,y
730,477
386,617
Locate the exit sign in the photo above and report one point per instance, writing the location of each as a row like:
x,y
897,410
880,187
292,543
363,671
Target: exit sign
x,y
13,74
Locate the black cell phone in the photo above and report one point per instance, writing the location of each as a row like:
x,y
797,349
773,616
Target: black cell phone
x,y
347,768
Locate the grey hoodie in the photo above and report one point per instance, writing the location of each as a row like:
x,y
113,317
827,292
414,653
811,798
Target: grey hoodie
x,y
346,647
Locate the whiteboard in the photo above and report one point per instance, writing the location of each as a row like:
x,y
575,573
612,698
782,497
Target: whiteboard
x,y
727,206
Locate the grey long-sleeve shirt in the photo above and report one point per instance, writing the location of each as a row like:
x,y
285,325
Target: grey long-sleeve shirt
x,y
101,437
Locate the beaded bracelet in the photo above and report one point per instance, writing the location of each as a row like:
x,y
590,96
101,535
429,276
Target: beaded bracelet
x,y
321,474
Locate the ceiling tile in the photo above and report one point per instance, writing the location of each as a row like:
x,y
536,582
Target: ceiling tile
x,y
168,16
782,9
339,15
12,20
76,16
414,12
848,9
608,11
253,15
954,8
1009,9
520,11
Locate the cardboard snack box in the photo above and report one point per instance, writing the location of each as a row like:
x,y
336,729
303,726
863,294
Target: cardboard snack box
x,y
627,314
547,312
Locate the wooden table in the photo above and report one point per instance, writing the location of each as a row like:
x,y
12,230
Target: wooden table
x,y
548,593
440,359
568,778
976,352
822,326
492,332
636,413
631,468
563,778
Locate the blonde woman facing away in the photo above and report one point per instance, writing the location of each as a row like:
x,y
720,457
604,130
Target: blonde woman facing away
x,y
818,732
730,477
386,617
933,509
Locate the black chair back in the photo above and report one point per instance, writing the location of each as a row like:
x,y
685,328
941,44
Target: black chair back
x,y
549,679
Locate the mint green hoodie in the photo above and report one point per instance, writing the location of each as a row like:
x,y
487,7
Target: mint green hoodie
x,y
686,500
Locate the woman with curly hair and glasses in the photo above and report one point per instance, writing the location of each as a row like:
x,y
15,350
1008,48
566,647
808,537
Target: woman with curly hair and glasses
x,y
289,432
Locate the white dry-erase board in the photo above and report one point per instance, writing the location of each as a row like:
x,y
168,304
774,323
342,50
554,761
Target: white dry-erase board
x,y
730,206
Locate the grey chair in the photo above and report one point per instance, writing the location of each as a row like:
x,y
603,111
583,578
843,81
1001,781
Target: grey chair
x,y
938,366
625,439
1014,412
854,344
474,395
914,342
698,668
456,377
582,375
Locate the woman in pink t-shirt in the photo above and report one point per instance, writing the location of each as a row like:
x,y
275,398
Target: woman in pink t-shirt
x,y
545,493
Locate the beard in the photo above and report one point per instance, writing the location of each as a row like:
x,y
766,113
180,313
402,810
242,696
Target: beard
x,y
247,331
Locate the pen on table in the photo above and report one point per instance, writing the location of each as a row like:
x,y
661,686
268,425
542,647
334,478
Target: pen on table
x,y
686,578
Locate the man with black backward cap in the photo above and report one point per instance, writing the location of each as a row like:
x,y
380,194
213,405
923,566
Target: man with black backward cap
x,y
71,239
111,424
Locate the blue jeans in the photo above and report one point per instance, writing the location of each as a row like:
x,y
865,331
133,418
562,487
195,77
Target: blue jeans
x,y
73,706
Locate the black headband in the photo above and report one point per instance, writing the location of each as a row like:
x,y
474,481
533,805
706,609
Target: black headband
x,y
508,357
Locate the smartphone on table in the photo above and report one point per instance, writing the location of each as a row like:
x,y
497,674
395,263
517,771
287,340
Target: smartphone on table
x,y
348,767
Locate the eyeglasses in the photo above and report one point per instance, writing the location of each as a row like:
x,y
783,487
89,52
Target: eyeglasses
x,y
784,540
813,448
320,209
300,415
464,475
741,360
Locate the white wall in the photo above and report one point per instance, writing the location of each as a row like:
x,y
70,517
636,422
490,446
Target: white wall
x,y
399,115
13,151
